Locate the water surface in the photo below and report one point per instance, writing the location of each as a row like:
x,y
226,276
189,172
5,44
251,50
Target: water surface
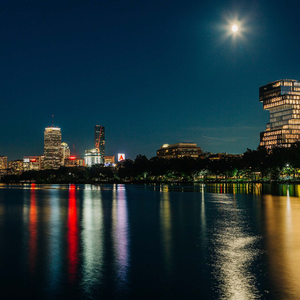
x,y
163,242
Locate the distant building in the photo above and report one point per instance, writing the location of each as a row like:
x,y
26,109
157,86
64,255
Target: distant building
x,y
65,153
3,162
93,157
282,99
16,166
73,161
52,148
226,156
100,140
32,163
109,160
179,150
42,162
3,165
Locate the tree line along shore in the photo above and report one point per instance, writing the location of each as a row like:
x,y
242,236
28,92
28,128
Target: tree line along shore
x,y
260,165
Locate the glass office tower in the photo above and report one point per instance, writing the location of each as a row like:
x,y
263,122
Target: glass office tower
x,y
52,148
65,153
282,99
100,140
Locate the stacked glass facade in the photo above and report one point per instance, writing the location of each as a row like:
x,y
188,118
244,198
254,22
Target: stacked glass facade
x,y
282,99
52,148
100,140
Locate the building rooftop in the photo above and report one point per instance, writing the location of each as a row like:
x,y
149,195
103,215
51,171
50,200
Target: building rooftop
x,y
183,144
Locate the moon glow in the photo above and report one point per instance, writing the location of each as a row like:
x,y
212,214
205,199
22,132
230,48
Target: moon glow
x,y
234,28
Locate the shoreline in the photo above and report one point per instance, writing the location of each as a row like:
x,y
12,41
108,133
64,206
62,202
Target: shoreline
x,y
138,182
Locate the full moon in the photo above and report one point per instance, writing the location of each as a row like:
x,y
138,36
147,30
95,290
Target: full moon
x,y
234,28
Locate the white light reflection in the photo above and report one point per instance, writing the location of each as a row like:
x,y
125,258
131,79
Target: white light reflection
x,y
235,252
92,239
165,219
203,218
55,239
120,232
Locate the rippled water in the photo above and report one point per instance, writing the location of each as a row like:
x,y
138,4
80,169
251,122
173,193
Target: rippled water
x,y
138,242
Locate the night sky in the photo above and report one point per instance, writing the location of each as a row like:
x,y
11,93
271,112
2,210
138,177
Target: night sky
x,y
151,72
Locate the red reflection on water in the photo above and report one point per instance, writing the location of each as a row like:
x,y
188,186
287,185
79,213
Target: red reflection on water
x,y
72,234
32,230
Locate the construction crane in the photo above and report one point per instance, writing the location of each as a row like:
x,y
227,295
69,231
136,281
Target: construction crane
x,y
98,142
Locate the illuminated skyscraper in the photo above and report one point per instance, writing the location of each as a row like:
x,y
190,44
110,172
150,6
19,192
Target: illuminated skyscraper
x,y
65,153
100,140
52,148
282,99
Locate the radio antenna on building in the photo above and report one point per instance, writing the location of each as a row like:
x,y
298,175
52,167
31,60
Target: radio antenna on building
x,y
52,120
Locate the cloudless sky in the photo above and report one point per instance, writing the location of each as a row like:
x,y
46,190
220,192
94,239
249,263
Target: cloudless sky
x,y
151,72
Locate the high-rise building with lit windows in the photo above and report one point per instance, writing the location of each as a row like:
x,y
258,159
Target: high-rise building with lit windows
x,y
52,148
282,99
100,140
65,153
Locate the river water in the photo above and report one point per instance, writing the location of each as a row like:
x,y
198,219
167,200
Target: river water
x,y
150,242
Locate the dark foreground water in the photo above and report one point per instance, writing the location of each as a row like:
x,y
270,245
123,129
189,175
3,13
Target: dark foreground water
x,y
149,242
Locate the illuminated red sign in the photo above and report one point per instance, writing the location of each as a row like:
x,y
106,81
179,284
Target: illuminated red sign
x,y
72,157
33,160
121,156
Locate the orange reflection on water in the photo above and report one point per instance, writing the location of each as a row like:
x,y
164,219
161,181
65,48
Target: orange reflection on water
x,y
282,226
32,230
72,234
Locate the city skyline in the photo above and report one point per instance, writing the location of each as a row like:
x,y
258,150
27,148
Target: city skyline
x,y
151,73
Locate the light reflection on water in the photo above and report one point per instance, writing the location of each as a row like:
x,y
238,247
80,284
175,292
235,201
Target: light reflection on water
x,y
55,242
117,241
235,252
166,229
282,243
120,234
92,240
